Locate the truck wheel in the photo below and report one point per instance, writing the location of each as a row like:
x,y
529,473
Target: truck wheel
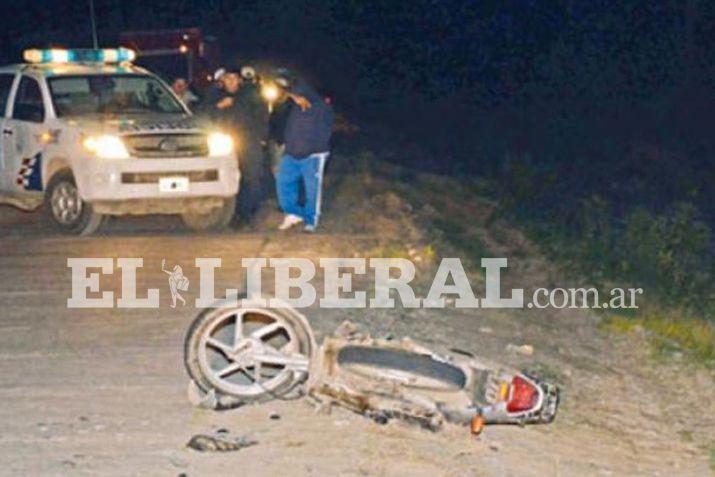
x,y
216,219
66,209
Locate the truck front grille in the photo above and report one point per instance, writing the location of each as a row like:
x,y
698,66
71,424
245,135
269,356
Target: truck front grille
x,y
152,146
209,175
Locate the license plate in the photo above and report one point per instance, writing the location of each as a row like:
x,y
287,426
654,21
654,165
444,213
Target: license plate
x,y
174,184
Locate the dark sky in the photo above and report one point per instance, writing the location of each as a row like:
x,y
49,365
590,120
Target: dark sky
x,y
433,48
431,59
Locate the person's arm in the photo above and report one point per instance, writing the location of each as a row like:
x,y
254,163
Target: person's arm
x,y
225,102
301,101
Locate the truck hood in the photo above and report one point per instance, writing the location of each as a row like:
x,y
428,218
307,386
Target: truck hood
x,y
137,123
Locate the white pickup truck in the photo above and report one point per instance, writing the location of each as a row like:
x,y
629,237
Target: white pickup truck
x,y
89,135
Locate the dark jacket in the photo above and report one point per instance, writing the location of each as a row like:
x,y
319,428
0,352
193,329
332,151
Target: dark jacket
x,y
308,132
277,122
252,112
247,117
207,106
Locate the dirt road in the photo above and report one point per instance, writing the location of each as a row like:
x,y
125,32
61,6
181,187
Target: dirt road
x,y
103,392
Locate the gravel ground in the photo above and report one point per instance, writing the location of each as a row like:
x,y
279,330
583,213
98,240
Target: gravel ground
x,y
103,392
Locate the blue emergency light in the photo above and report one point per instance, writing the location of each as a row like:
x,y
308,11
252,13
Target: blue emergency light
x,y
106,55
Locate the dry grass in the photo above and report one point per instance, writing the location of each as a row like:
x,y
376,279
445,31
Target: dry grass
x,y
671,330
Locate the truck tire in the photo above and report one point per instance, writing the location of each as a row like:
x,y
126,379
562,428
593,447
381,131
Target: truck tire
x,y
216,219
66,209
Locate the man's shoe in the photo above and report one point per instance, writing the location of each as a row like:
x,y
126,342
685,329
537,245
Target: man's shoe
x,y
289,221
309,228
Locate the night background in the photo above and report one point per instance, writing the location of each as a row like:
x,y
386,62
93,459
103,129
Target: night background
x,y
591,122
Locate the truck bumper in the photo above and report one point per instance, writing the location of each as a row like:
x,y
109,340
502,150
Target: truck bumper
x,y
176,205
136,181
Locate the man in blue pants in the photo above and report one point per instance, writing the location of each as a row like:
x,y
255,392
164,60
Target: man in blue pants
x,y
307,143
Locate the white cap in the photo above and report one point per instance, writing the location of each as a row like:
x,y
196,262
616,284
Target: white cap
x,y
219,73
248,73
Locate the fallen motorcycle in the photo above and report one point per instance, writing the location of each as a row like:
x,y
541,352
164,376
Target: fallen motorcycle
x,y
253,353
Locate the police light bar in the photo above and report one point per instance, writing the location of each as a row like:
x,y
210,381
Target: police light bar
x,y
106,55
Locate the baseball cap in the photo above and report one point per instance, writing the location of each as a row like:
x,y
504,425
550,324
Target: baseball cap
x,y
219,73
248,73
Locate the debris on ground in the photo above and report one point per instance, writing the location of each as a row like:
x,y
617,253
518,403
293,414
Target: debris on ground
x,y
198,398
524,350
219,442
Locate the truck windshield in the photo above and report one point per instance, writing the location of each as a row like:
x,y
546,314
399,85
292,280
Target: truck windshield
x,y
111,94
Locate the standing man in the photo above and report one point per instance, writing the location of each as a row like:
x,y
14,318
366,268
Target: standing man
x,y
207,105
280,109
308,128
242,111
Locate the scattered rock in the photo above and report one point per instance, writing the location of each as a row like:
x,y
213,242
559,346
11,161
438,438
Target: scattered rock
x,y
347,329
294,443
178,462
274,417
524,350
325,408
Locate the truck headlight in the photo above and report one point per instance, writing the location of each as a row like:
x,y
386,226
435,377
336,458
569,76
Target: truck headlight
x,y
220,144
106,147
270,92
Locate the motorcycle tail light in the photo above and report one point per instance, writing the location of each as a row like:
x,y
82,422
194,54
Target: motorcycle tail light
x,y
523,397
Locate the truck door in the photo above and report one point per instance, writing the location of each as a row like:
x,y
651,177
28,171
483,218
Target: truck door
x,y
22,149
6,81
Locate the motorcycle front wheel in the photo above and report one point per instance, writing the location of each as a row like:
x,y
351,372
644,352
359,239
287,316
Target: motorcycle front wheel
x,y
248,353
